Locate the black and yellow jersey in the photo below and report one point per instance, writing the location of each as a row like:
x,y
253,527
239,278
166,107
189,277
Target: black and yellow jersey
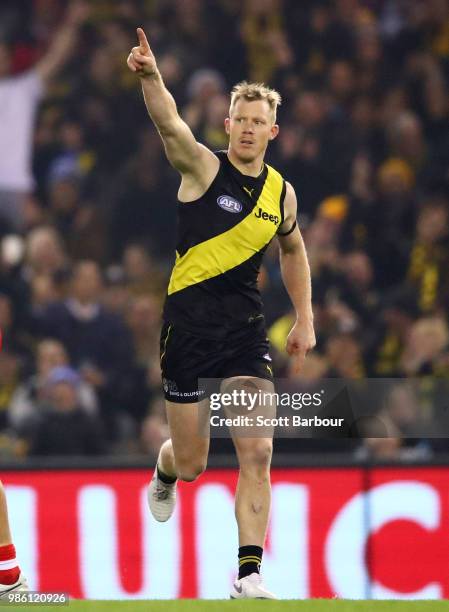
x,y
222,237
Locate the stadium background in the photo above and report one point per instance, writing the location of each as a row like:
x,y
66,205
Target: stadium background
x,y
87,232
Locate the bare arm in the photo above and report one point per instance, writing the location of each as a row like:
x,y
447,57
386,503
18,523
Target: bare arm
x,y
296,276
184,153
63,42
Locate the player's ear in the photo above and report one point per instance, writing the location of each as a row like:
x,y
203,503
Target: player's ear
x,y
274,131
227,123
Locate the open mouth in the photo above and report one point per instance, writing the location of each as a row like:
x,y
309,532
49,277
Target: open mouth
x,y
246,142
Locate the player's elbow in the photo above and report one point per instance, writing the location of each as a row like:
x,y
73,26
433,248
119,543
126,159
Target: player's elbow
x,y
167,130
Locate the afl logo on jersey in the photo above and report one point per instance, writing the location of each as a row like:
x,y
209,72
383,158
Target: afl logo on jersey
x,y
229,204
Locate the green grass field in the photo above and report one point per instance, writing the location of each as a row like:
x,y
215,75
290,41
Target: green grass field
x,y
188,605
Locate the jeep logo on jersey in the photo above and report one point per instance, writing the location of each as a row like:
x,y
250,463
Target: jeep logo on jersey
x,y
260,214
227,203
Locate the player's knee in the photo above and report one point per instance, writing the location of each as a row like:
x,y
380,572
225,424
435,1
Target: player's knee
x,y
190,471
258,456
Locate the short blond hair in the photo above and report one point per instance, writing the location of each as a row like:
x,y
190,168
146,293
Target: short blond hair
x,y
255,91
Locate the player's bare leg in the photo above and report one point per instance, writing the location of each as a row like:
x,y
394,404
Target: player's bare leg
x,y
254,450
185,454
166,459
253,493
183,457
11,580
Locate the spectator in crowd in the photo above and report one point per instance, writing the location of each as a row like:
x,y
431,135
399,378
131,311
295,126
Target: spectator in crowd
x,y
266,42
45,267
97,341
136,214
142,272
429,257
398,429
12,332
154,429
45,253
344,356
143,322
426,349
64,428
386,339
203,86
19,98
29,396
116,293
77,220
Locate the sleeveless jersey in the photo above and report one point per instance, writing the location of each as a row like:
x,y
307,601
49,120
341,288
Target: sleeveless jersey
x,y
222,237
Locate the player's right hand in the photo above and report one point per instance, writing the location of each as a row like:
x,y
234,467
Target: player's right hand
x,y
141,59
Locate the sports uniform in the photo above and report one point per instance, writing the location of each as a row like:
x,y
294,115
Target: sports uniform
x,y
213,321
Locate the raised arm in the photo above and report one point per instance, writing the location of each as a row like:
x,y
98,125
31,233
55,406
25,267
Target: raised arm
x,y
296,276
189,157
63,41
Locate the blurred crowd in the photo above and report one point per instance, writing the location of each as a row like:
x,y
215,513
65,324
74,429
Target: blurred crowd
x,y
88,201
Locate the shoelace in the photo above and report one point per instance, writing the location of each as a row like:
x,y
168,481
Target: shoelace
x,y
162,491
161,494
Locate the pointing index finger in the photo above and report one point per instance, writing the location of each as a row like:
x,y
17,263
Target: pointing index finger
x,y
143,42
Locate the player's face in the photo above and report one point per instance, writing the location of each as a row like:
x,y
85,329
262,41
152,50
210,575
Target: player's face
x,y
250,128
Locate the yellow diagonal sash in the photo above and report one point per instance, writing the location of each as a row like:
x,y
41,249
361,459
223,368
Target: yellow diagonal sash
x,y
233,247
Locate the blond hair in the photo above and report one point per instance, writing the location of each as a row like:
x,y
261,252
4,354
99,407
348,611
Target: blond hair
x,y
255,91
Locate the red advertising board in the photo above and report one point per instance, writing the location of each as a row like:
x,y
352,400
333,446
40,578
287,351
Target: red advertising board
x,y
353,533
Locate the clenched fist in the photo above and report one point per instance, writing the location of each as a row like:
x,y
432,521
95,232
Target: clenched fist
x,y
300,340
141,59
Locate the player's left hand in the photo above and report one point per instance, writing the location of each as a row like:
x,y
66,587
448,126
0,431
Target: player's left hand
x,y
300,340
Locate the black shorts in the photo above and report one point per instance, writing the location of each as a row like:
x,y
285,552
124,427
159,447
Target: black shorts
x,y
186,358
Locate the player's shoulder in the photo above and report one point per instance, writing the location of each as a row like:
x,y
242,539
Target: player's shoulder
x,y
222,155
287,186
277,180
290,190
225,167
275,173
